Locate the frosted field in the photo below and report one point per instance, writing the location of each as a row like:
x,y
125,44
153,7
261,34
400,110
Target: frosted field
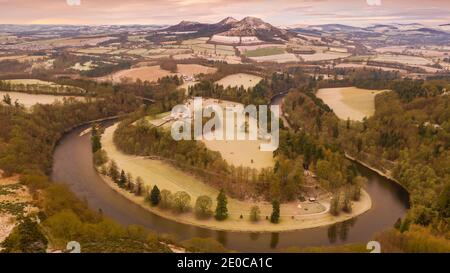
x,y
243,49
325,56
350,102
210,49
96,50
234,40
361,66
84,67
153,73
236,80
279,58
28,100
402,59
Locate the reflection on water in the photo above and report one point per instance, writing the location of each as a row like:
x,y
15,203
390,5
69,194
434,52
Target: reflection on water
x,y
73,166
274,238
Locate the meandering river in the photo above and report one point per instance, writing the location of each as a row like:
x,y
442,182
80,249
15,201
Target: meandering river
x,y
73,166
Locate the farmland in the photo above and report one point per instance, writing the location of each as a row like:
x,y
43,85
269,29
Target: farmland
x,y
268,51
324,56
350,102
153,73
38,86
28,100
280,58
402,59
241,79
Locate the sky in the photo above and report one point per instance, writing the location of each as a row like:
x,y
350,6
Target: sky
x,y
277,12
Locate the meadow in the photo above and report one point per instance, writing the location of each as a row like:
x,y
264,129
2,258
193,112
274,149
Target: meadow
x,y
268,51
28,100
240,79
350,102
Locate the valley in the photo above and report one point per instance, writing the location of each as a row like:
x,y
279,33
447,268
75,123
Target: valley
x,y
88,152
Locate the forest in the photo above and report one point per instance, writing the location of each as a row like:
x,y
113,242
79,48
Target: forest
x,y
408,137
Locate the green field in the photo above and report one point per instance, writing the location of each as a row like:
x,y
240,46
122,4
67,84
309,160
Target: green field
x,y
260,52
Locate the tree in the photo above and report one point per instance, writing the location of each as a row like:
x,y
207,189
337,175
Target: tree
x,y
95,139
347,205
181,201
203,206
335,204
7,99
27,237
155,196
221,209
358,181
166,201
275,217
113,171
122,180
255,213
139,186
100,157
130,184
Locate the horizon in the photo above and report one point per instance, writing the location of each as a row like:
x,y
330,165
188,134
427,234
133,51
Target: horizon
x,y
282,13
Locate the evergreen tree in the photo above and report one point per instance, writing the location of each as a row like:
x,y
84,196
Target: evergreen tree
x,y
155,196
221,209
275,217
122,180
113,171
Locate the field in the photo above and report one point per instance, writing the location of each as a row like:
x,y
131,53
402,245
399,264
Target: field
x,y
29,100
38,86
268,51
217,50
96,50
324,56
84,67
22,58
350,102
239,79
280,58
402,59
153,73
148,73
360,66
195,69
243,49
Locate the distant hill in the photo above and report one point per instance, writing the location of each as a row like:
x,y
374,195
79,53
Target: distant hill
x,y
249,26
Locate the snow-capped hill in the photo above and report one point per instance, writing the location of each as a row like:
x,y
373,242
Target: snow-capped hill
x,y
227,21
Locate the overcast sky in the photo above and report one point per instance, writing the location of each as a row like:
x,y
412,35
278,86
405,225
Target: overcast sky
x,y
277,12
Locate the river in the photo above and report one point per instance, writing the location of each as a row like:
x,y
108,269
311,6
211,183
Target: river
x,y
73,166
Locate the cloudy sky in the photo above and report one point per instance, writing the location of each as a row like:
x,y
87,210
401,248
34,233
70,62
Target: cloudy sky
x,y
277,12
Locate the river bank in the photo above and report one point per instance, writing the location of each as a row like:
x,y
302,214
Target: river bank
x,y
294,215
386,175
